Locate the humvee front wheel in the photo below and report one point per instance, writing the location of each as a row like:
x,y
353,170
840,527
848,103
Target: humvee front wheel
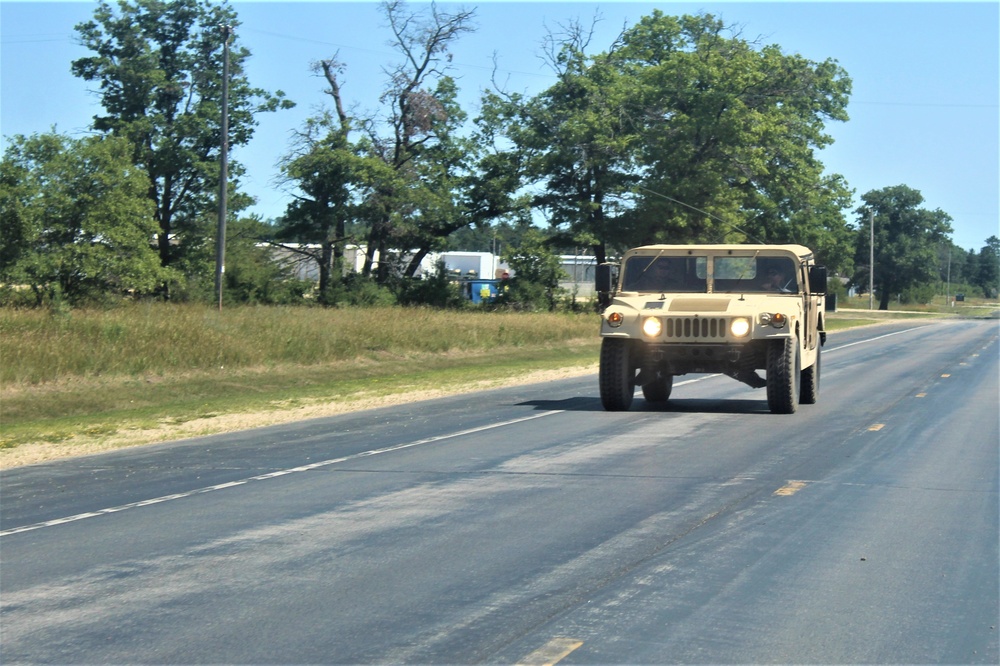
x,y
659,389
616,375
783,376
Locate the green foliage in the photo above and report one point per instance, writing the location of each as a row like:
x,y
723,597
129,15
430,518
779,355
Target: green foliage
x,y
920,294
359,291
252,275
334,180
834,287
401,183
155,339
76,222
988,274
731,151
537,272
906,241
434,290
159,69
679,133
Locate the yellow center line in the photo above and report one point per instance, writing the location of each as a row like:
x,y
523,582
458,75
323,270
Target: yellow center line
x,y
790,488
875,427
921,395
946,375
551,653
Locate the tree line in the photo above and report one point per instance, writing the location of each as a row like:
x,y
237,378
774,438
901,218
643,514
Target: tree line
x,y
679,131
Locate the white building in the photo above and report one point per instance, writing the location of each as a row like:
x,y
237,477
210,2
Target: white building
x,y
579,269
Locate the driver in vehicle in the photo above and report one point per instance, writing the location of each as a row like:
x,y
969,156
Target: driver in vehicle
x,y
775,279
657,277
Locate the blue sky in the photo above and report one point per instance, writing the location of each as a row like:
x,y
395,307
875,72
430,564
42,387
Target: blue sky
x,y
925,109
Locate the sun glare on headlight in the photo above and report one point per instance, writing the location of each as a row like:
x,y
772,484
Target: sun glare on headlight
x,y
652,327
739,327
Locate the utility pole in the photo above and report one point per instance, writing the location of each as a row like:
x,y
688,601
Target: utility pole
x,y
947,293
220,240
871,260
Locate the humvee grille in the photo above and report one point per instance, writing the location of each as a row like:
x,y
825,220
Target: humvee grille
x,y
695,327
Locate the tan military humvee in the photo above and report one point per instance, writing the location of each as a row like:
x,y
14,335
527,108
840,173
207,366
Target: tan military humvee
x,y
730,309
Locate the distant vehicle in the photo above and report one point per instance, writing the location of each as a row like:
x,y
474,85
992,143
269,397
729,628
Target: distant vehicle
x,y
730,309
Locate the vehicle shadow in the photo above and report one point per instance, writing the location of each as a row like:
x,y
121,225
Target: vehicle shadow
x,y
642,406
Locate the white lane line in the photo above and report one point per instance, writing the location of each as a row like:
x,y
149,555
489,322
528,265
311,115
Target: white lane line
x,y
697,379
881,337
273,475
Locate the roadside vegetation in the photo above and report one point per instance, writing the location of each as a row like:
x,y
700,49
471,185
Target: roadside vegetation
x,y
87,376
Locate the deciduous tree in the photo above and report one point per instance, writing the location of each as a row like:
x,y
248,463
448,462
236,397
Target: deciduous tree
x,y
396,176
988,276
730,135
906,241
331,179
158,66
684,131
77,223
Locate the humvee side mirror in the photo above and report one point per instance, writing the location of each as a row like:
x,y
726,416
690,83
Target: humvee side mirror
x,y
817,279
604,283
603,278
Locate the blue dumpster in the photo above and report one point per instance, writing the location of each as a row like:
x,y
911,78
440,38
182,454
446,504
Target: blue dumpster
x,y
483,290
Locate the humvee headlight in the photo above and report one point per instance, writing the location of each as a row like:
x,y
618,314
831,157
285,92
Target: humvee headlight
x,y
615,319
739,327
652,327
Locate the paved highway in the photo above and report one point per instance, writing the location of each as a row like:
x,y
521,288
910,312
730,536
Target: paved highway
x,y
527,525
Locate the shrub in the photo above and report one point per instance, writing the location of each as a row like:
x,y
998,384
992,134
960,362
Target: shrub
x,y
434,290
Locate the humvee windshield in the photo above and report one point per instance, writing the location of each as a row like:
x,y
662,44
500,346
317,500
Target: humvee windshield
x,y
691,274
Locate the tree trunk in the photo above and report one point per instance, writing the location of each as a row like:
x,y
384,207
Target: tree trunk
x,y
325,267
414,264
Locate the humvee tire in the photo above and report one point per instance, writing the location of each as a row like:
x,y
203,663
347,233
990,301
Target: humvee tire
x,y
810,383
783,376
659,390
616,376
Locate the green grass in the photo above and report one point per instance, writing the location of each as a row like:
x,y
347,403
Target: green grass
x,y
162,339
93,374
854,312
972,307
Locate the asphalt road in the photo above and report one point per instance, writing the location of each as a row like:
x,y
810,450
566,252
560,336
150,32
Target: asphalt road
x,y
527,525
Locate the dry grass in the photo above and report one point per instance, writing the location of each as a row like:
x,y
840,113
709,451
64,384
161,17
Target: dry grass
x,y
92,380
158,339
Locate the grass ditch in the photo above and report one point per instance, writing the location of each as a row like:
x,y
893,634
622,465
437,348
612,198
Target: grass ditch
x,y
94,380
